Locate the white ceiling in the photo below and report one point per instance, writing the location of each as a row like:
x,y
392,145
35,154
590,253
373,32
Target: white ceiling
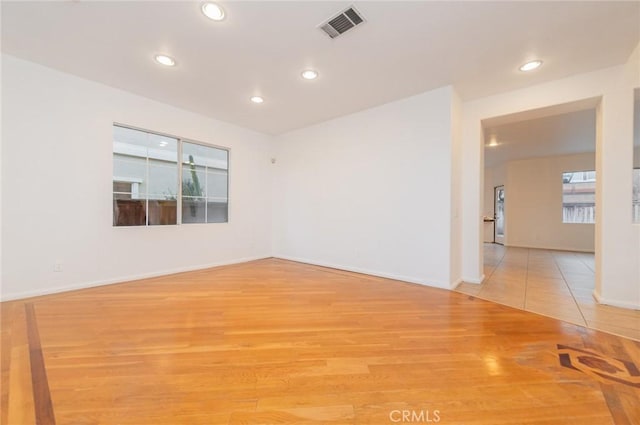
x,y
404,48
556,130
566,133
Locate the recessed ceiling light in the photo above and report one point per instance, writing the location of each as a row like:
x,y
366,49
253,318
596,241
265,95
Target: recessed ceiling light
x,y
213,11
309,74
530,66
165,60
257,99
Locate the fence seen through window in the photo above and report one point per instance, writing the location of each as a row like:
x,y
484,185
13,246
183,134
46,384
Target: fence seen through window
x,y
579,197
151,187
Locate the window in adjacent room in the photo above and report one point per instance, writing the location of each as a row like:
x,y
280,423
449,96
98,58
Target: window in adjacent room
x,y
204,184
579,197
145,178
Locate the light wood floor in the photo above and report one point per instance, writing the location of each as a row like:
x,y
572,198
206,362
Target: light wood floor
x,y
558,284
277,342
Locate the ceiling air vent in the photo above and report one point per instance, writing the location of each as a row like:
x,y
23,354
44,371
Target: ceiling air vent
x,y
342,22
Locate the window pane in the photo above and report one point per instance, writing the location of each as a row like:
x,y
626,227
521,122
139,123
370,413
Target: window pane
x,y
193,210
163,212
122,186
163,180
144,144
217,212
146,185
217,186
579,197
208,156
129,170
193,181
204,184
122,196
145,167
128,212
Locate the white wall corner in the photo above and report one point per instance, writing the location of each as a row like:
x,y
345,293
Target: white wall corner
x,y
476,280
456,232
86,110
1,178
615,303
456,283
86,285
408,279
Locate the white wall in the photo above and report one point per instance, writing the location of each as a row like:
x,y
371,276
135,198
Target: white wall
x,y
375,191
455,253
617,239
57,153
1,172
533,204
372,191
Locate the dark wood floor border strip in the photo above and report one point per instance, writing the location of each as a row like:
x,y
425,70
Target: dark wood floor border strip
x,y
6,323
615,405
41,395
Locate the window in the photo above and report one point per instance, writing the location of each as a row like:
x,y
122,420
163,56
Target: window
x,y
147,189
204,184
126,187
579,197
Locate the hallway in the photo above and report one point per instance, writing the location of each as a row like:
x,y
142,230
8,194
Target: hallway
x,y
557,284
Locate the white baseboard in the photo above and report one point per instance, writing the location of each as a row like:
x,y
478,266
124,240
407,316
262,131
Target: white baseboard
x,y
615,303
455,284
410,279
476,280
121,279
552,248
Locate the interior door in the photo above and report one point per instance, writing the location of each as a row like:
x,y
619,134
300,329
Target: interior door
x,y
498,196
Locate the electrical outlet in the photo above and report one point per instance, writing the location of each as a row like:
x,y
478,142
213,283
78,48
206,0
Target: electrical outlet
x,y
57,267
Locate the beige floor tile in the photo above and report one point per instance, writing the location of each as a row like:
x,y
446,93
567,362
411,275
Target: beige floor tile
x,y
536,285
510,276
584,295
544,274
560,305
551,296
487,271
611,315
556,284
509,300
580,282
575,319
616,330
563,308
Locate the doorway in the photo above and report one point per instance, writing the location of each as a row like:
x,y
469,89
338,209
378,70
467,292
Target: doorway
x,y
498,208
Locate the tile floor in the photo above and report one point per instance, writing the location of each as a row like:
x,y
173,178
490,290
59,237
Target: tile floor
x,y
557,284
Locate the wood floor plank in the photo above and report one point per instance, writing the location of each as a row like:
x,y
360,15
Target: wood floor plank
x,y
40,384
17,372
277,342
6,328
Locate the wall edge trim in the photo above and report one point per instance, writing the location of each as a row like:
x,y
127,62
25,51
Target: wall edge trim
x,y
122,279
